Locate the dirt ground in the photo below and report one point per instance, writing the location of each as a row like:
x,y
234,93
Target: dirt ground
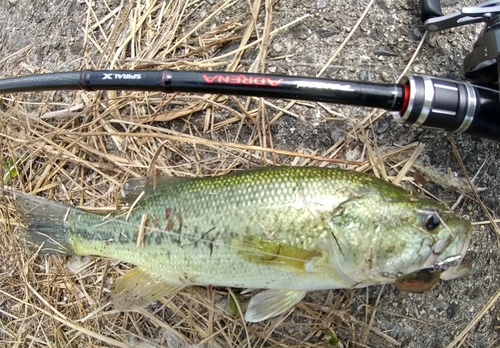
x,y
49,36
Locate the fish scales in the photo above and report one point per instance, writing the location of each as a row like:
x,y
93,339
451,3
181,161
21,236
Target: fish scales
x,y
279,228
267,204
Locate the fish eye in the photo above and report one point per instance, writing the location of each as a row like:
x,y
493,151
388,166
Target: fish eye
x,y
419,281
431,221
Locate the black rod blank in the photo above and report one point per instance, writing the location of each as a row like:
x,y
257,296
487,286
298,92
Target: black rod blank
x,y
386,96
419,100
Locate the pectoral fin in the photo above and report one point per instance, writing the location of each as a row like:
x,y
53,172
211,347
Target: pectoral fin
x,y
271,303
137,288
274,253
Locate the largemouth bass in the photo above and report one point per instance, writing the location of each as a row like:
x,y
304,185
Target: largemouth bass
x,y
286,230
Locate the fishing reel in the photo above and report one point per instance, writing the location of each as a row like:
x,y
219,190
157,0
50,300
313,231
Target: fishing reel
x,y
455,106
481,66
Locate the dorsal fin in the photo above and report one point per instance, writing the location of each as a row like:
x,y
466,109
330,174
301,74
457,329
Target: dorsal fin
x,y
134,187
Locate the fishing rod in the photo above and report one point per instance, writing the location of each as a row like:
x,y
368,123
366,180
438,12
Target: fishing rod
x,y
416,100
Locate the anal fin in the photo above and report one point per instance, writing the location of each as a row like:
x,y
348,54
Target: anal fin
x,y
271,303
138,288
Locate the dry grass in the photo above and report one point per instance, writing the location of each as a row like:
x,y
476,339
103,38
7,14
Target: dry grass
x,y
83,155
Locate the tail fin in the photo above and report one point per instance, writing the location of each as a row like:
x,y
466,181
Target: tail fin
x,y
44,223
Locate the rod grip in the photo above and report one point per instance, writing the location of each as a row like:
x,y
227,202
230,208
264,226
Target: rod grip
x,y
454,106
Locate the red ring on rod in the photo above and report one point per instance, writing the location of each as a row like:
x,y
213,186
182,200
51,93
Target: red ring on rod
x,y
406,98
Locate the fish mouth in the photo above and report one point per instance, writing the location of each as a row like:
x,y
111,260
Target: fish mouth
x,y
453,265
462,265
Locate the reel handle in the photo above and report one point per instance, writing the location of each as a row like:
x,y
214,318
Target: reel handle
x,y
430,9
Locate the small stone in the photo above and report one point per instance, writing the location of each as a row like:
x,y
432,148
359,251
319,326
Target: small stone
x,y
365,75
336,134
405,5
385,4
416,33
277,47
382,50
324,33
321,4
451,311
431,41
386,77
383,126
